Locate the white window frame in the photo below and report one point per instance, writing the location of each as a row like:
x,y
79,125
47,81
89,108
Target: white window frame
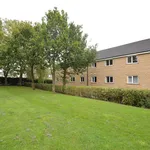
x,y
109,62
132,79
82,77
131,59
94,79
93,65
71,79
109,79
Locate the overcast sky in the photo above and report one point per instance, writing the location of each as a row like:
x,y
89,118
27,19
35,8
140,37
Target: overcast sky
x,y
108,22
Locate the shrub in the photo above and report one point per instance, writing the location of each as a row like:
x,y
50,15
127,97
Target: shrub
x,y
138,98
15,81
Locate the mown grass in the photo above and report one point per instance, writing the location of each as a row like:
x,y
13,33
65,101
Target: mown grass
x,y
42,120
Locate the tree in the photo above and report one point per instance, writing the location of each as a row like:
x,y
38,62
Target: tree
x,y
75,56
90,56
54,22
6,51
34,49
21,36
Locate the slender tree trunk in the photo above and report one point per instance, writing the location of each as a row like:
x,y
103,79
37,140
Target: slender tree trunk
x,y
87,76
53,77
32,77
20,78
5,75
5,80
64,80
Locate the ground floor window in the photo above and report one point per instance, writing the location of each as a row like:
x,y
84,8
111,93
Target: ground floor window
x,y
133,80
72,79
81,79
109,79
94,79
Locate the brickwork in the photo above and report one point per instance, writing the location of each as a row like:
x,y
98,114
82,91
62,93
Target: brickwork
x,y
120,70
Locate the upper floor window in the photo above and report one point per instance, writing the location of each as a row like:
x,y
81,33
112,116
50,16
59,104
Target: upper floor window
x,y
72,79
132,59
94,79
82,79
109,62
93,65
109,79
133,80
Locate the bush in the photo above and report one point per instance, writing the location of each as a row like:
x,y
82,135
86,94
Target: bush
x,y
12,81
15,81
47,87
138,98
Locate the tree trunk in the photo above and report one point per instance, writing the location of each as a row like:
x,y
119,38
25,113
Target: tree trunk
x,y
32,77
20,78
64,80
87,76
53,77
5,75
5,80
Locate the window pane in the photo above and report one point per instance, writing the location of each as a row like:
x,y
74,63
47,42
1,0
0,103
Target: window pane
x,y
107,79
135,79
130,79
129,59
107,62
111,62
111,79
82,79
95,79
93,64
72,78
135,59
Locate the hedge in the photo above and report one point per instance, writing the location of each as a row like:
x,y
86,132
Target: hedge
x,y
15,81
133,97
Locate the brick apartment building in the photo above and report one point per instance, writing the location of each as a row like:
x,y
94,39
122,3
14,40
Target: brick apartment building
x,y
126,66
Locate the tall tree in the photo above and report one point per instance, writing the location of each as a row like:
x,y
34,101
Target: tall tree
x,y
21,36
75,56
6,51
54,22
34,50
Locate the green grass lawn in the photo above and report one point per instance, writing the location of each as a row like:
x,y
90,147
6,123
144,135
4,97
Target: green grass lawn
x,y
42,120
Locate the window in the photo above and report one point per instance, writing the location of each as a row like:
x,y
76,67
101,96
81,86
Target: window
x,y
94,79
72,79
132,59
93,65
109,79
133,79
109,62
81,79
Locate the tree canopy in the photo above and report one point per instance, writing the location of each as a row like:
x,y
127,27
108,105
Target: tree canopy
x,y
29,48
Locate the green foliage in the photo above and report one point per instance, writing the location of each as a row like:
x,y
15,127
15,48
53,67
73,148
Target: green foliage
x,y
31,48
138,98
6,50
54,23
75,56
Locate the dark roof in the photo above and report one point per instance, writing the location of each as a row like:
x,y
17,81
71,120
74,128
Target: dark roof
x,y
131,48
